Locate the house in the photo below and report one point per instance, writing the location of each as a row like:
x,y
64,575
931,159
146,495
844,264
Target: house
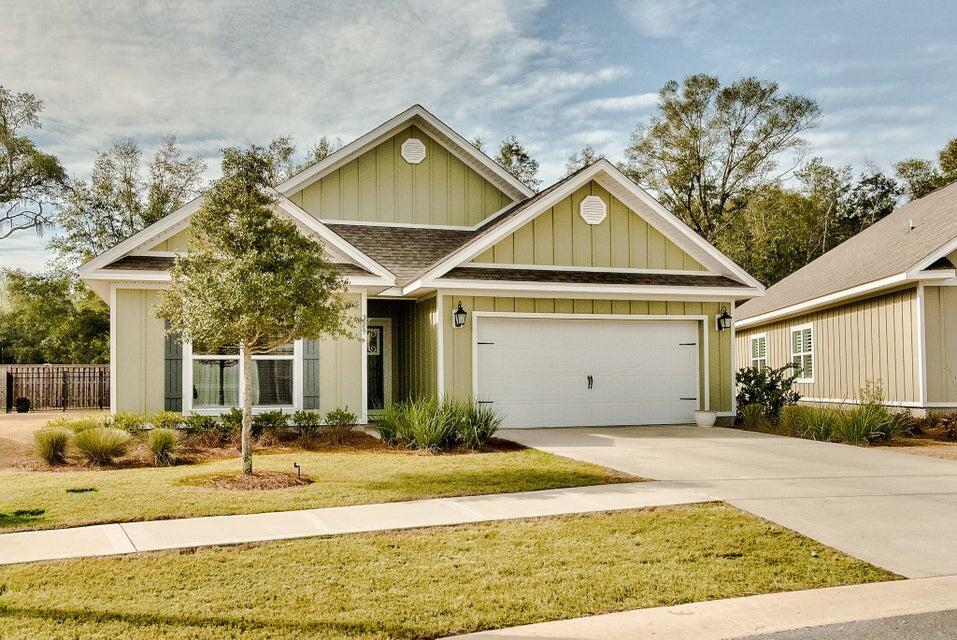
x,y
882,306
584,304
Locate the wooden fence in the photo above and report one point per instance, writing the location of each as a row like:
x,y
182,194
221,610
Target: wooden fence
x,y
57,386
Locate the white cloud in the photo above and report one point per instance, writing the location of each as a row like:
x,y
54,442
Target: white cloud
x,y
681,19
634,102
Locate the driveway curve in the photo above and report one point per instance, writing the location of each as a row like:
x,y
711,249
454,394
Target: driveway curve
x,y
895,510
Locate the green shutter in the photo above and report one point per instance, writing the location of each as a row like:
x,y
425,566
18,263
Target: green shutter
x,y
172,372
310,374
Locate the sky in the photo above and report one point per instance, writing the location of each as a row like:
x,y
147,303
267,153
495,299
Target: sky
x,y
556,74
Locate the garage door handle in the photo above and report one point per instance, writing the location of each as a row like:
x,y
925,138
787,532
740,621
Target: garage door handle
x,y
689,398
591,382
484,402
687,344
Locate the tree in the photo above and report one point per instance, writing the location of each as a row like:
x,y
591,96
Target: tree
x,y
51,317
873,197
921,177
118,200
30,180
249,278
515,158
581,159
281,153
710,148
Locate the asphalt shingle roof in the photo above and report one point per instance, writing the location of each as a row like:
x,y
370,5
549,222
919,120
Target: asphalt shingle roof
x,y
590,277
886,248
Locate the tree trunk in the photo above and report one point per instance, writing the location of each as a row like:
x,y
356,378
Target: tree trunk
x,y
247,431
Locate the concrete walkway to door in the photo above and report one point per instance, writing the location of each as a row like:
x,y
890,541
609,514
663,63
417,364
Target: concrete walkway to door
x,y
895,510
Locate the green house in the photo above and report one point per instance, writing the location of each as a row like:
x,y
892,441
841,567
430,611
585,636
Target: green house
x,y
586,303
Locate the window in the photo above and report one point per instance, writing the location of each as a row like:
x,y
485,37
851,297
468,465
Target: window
x,y
802,351
217,378
759,350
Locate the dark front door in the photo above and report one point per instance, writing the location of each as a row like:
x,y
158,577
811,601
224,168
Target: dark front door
x,y
375,353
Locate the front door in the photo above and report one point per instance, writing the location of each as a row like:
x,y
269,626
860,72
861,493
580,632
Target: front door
x,y
379,363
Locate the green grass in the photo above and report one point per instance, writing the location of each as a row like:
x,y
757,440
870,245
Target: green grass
x,y
339,479
397,585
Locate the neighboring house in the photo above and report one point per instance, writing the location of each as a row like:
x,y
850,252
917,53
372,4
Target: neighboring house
x,y
881,306
584,304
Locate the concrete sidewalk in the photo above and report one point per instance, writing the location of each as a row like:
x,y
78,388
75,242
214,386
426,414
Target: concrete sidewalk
x,y
742,617
156,535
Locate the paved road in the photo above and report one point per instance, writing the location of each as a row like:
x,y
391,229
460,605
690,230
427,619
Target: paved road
x,y
895,510
941,625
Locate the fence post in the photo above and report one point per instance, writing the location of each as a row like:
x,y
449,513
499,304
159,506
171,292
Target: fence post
x,y
64,390
9,387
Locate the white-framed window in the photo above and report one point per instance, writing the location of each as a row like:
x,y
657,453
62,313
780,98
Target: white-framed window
x,y
213,380
759,350
802,351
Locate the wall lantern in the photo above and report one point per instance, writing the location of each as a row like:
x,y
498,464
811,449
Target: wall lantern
x,y
723,320
458,317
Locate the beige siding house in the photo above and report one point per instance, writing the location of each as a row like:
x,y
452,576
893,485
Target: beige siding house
x,y
585,303
880,307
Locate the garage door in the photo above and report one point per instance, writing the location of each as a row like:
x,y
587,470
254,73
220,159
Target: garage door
x,y
550,372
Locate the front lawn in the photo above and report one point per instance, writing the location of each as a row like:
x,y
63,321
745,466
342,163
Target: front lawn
x,y
69,498
424,583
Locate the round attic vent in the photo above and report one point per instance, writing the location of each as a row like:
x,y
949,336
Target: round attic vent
x,y
413,151
593,210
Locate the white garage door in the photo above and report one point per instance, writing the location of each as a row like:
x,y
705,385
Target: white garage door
x,y
550,372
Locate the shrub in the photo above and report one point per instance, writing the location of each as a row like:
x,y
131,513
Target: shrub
x,y
210,432
102,444
792,419
233,421
163,444
50,444
818,423
167,420
339,422
480,424
129,422
752,417
307,423
271,426
770,388
76,425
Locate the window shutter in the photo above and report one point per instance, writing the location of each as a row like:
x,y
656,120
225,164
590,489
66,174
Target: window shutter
x,y
172,372
310,374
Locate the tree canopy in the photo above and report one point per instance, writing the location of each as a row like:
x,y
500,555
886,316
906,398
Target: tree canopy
x,y
250,278
30,180
710,148
123,196
515,158
921,176
588,155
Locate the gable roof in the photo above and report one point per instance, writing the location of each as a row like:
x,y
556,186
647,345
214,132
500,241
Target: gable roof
x,y
900,247
625,190
438,130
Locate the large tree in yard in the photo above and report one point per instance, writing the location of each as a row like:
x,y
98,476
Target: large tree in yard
x,y
710,147
250,279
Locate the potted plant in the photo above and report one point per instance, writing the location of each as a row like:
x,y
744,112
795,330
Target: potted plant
x,y
22,405
705,418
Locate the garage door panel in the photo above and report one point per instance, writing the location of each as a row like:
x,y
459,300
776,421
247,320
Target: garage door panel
x,y
535,370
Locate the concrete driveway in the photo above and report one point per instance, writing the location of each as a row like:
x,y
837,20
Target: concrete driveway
x,y
894,510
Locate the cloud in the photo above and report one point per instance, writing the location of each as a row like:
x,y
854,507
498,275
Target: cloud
x,y
634,102
681,19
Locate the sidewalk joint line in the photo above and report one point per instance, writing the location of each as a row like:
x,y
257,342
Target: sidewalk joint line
x,y
127,536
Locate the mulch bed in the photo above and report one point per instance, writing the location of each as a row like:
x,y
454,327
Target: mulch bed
x,y
258,481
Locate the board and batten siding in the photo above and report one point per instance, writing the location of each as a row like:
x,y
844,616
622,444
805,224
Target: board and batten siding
x,y
940,333
422,345
381,186
559,236
871,339
457,343
140,359
175,242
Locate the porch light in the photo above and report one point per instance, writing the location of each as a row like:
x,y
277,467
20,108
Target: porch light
x,y
458,317
723,320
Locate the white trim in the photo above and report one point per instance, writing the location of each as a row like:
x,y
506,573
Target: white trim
x,y
420,225
941,252
150,253
921,343
703,348
907,404
661,219
459,147
440,345
751,339
364,364
734,366
386,324
558,267
546,293
806,326
113,349
843,294
599,290
187,370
